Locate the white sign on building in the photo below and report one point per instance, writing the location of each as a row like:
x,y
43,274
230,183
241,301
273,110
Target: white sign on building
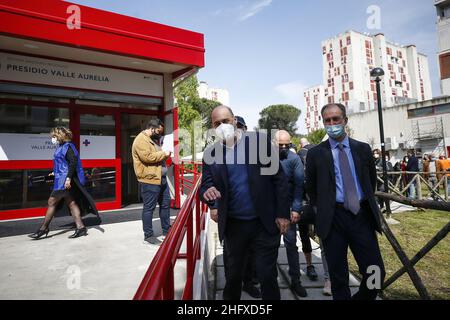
x,y
20,146
25,69
97,147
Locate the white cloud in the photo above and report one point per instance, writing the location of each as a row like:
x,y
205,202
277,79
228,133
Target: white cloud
x,y
255,8
291,92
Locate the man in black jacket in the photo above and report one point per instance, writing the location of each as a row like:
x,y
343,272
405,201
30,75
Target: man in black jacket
x,y
412,166
250,194
341,181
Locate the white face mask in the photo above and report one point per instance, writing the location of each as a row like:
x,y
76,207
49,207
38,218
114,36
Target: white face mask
x,y
54,141
225,131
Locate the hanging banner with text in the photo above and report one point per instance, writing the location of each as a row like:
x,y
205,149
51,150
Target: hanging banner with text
x,y
33,70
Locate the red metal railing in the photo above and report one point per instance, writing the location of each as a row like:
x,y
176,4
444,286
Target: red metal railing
x,y
189,172
158,282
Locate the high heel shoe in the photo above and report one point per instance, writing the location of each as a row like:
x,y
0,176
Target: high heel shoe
x,y
39,234
79,233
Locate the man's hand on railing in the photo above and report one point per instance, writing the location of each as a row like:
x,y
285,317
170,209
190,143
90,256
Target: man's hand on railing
x,y
214,215
212,194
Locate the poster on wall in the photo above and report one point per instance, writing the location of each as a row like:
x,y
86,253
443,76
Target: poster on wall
x,y
18,146
25,69
97,147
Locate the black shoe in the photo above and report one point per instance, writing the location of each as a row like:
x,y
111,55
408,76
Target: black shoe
x,y
252,290
298,289
39,234
311,273
152,240
79,233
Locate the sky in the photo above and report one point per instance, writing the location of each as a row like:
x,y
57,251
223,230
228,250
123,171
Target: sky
x,y
267,52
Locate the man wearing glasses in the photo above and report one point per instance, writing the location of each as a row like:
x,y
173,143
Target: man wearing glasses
x,y
341,181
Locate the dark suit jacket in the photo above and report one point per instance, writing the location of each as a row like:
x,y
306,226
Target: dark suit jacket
x,y
321,182
413,164
269,193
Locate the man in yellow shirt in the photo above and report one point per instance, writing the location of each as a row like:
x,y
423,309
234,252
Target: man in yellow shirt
x,y
150,169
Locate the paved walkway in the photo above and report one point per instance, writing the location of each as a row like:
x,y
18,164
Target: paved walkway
x,y
109,263
313,288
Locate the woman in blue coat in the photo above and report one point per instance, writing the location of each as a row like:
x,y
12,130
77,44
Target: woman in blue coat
x,y
68,185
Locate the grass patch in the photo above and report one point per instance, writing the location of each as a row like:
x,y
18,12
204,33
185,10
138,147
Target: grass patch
x,y
416,228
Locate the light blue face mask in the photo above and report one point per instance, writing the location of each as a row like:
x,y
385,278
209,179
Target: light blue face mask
x,y
336,131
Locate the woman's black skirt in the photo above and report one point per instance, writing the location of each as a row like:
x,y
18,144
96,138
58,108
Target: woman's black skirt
x,y
81,196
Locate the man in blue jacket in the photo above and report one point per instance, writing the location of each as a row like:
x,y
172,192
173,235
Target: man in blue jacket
x,y
293,169
250,195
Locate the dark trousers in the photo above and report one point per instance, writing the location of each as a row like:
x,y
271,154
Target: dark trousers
x,y
290,242
249,269
358,233
303,229
152,195
240,236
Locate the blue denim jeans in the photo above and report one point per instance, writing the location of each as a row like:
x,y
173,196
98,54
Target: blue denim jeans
x,y
290,242
412,190
152,195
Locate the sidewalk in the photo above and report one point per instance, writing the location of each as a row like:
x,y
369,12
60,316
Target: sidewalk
x,y
313,288
109,263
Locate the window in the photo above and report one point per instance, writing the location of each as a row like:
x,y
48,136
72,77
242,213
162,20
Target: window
x,y
29,189
351,85
444,61
421,112
441,109
31,119
349,41
398,84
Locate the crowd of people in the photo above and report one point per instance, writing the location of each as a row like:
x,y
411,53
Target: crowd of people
x,y
326,189
329,186
429,166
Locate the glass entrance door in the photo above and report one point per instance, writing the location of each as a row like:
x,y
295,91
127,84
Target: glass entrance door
x,y
131,126
98,142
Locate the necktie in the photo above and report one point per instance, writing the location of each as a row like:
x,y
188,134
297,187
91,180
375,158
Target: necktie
x,y
351,200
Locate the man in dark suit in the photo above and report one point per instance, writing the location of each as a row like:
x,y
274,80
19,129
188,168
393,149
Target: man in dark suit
x,y
341,180
412,166
251,198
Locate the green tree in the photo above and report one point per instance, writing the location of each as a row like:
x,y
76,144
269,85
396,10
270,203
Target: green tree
x,y
186,94
315,137
280,116
204,107
194,115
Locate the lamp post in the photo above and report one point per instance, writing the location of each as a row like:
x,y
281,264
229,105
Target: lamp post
x,y
377,74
